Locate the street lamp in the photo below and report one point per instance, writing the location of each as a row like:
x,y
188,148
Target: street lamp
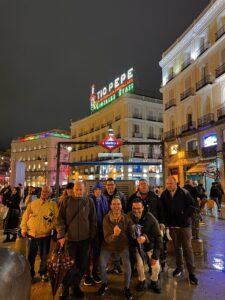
x,y
69,148
46,163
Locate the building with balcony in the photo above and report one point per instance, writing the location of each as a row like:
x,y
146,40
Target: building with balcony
x,y
37,152
194,99
133,118
4,167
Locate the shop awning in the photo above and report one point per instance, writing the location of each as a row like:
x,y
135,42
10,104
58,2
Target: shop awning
x,y
203,167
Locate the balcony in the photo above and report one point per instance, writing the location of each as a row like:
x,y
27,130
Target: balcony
x,y
170,77
208,79
139,154
154,136
185,64
186,93
117,118
206,120
202,49
137,135
190,126
220,32
220,70
209,151
169,134
170,103
137,116
221,113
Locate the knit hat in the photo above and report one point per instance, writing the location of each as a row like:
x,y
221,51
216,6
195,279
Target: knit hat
x,y
98,185
69,185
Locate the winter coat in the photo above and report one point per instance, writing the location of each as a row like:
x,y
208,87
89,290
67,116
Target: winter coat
x,y
39,218
83,225
178,209
119,195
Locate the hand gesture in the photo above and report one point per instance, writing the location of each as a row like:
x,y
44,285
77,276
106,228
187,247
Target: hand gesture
x,y
116,230
141,239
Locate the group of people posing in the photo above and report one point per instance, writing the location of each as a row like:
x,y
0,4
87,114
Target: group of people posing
x,y
92,228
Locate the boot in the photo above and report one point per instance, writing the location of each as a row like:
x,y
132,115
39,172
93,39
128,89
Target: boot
x,y
7,239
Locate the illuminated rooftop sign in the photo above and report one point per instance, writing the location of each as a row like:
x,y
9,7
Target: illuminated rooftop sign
x,y
43,135
116,88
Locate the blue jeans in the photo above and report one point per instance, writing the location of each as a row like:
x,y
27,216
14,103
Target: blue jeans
x,y
104,257
43,244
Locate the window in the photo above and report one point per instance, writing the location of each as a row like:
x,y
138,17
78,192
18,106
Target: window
x,y
192,145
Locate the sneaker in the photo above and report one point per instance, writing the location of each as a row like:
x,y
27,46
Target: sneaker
x,y
96,278
193,279
78,293
118,270
177,272
154,286
141,286
88,280
127,294
44,278
7,240
103,288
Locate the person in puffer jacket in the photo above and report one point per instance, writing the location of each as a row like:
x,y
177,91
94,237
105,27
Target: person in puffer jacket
x,y
39,219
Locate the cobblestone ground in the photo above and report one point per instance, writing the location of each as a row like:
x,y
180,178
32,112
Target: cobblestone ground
x,y
210,272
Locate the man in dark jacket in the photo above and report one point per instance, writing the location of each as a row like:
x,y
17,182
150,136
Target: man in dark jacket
x,y
146,238
178,208
76,227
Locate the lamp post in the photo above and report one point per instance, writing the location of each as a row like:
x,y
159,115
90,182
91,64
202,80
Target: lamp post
x,y
69,148
46,164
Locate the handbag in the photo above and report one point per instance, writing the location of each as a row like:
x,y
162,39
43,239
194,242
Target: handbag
x,y
210,204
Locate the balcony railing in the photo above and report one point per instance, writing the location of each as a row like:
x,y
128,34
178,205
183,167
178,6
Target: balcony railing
x,y
185,64
220,32
220,70
153,136
138,154
191,153
187,93
221,113
137,134
170,77
204,81
137,116
190,126
169,134
202,49
206,120
170,103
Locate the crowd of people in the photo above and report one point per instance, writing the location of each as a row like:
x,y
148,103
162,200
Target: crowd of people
x,y
101,224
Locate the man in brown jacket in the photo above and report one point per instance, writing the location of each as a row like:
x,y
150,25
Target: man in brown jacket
x,y
76,227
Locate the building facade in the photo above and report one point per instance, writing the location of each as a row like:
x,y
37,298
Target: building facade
x,y
4,167
193,88
37,152
133,118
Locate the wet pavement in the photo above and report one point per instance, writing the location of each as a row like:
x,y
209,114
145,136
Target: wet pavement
x,y
210,270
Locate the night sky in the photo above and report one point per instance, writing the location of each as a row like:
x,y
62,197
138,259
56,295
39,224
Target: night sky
x,y
51,51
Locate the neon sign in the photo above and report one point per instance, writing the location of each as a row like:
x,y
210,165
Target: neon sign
x,y
43,135
121,85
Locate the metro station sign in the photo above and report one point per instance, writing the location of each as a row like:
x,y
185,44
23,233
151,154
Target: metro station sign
x,y
121,85
110,143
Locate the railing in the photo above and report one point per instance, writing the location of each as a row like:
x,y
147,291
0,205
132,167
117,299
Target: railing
x,y
170,77
205,120
202,49
169,134
185,64
220,70
154,136
204,81
187,93
137,134
137,116
221,113
220,32
188,127
191,153
170,103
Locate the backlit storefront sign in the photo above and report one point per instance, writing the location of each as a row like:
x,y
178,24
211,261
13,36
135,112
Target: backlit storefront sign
x,y
174,149
210,140
121,85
